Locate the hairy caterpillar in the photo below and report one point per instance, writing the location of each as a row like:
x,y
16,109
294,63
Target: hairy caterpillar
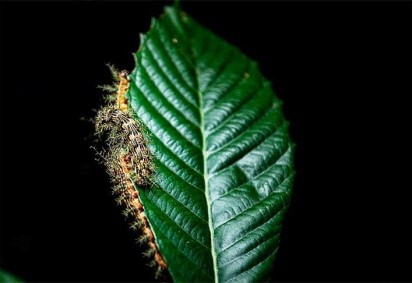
x,y
128,160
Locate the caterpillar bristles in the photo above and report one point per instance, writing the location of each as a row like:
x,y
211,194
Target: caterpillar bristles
x,y
138,241
142,239
125,213
107,88
134,209
101,156
152,263
120,200
114,72
159,272
149,253
136,225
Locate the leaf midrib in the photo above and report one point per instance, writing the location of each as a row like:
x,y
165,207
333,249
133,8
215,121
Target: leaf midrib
x,y
205,167
206,179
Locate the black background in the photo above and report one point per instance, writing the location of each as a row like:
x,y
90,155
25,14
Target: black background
x,y
342,70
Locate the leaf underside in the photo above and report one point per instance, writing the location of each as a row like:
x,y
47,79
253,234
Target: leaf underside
x,y
221,149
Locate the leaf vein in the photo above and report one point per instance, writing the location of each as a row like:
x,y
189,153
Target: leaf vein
x,y
254,205
159,114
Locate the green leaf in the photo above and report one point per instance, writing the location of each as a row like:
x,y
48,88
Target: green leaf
x,y
8,278
221,149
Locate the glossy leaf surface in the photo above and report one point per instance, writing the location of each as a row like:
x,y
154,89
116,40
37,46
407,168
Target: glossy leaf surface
x,y
222,152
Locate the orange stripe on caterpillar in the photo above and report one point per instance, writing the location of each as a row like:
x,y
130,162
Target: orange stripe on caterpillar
x,y
133,202
122,89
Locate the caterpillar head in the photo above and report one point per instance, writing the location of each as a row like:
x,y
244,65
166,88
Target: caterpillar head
x,y
123,74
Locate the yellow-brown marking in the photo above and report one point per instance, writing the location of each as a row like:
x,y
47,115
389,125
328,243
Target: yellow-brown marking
x,y
122,88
